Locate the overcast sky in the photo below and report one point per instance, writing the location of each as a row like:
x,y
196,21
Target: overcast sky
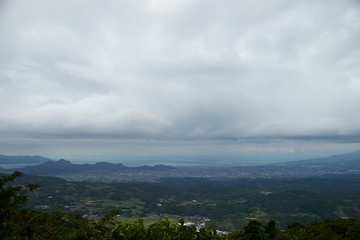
x,y
115,79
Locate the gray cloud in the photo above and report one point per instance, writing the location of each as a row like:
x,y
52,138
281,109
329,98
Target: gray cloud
x,y
180,71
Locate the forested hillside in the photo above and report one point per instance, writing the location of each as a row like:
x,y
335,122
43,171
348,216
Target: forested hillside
x,y
26,224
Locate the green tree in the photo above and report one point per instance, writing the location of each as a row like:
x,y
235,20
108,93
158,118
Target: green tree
x,y
254,230
160,230
130,231
270,229
11,198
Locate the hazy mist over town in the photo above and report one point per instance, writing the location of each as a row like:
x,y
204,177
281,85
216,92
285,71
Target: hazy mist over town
x,y
179,82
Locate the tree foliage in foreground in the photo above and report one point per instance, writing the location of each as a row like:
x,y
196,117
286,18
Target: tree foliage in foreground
x,y
17,223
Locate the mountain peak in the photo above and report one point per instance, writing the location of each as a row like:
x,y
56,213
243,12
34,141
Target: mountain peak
x,y
63,161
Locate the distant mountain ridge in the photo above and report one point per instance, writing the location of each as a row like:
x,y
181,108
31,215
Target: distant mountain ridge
x,y
338,159
22,159
336,164
349,162
65,166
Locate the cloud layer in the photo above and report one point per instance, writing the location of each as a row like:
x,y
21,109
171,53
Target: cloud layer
x,y
180,70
